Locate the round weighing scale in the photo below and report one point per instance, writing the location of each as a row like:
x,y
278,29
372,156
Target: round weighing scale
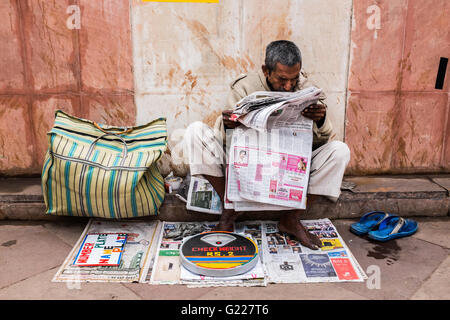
x,y
218,254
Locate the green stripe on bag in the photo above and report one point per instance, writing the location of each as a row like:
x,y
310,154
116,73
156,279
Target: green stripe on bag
x,y
67,180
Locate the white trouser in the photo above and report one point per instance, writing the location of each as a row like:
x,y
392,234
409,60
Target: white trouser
x,y
203,150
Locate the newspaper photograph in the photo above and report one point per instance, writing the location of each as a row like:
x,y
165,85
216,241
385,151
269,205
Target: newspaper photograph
x,y
202,197
136,259
287,261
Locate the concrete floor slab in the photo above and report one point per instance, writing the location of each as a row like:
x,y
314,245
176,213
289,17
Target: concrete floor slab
x,y
442,181
396,269
284,291
21,189
390,184
68,231
167,292
414,267
28,249
41,287
434,230
437,287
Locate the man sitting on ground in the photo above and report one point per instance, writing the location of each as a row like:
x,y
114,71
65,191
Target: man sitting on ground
x,y
204,148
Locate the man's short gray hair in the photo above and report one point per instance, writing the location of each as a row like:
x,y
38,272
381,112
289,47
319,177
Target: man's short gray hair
x,y
284,52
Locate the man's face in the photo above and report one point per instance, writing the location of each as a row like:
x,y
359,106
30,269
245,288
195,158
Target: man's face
x,y
283,78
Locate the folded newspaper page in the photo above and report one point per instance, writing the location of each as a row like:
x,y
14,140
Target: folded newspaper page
x,y
269,159
270,167
240,204
269,109
136,259
202,197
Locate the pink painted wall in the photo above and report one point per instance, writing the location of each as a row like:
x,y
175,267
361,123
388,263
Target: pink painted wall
x,y
47,66
396,121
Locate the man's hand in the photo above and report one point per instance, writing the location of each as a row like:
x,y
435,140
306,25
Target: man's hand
x,y
229,124
315,112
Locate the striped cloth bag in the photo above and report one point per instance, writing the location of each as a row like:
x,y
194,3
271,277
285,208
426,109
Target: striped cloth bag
x,y
103,171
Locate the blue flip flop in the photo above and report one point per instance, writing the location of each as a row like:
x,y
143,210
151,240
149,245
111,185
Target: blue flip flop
x,y
394,227
368,222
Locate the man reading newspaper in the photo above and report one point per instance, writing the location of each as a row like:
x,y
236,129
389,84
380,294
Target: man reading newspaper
x,y
205,145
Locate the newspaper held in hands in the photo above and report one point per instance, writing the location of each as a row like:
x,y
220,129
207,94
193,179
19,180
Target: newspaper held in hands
x,y
271,167
202,197
264,110
270,158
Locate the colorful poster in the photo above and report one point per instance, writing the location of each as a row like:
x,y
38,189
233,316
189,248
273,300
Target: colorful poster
x,y
101,249
344,269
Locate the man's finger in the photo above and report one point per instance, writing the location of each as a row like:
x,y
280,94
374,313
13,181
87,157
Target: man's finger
x,y
313,114
315,110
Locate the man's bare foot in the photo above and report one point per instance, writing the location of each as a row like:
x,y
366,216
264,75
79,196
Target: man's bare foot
x,y
226,222
296,229
224,227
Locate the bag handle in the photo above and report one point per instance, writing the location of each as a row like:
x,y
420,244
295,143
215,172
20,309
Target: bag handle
x,y
105,130
124,152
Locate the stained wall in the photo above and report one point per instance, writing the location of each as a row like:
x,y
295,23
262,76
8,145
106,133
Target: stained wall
x,y
186,54
128,62
396,121
47,63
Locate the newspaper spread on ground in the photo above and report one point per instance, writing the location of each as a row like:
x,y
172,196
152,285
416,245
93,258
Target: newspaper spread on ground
x,y
202,197
270,167
168,269
287,261
282,258
136,261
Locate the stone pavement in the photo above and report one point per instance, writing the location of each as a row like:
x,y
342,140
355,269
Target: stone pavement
x,y
33,246
416,267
